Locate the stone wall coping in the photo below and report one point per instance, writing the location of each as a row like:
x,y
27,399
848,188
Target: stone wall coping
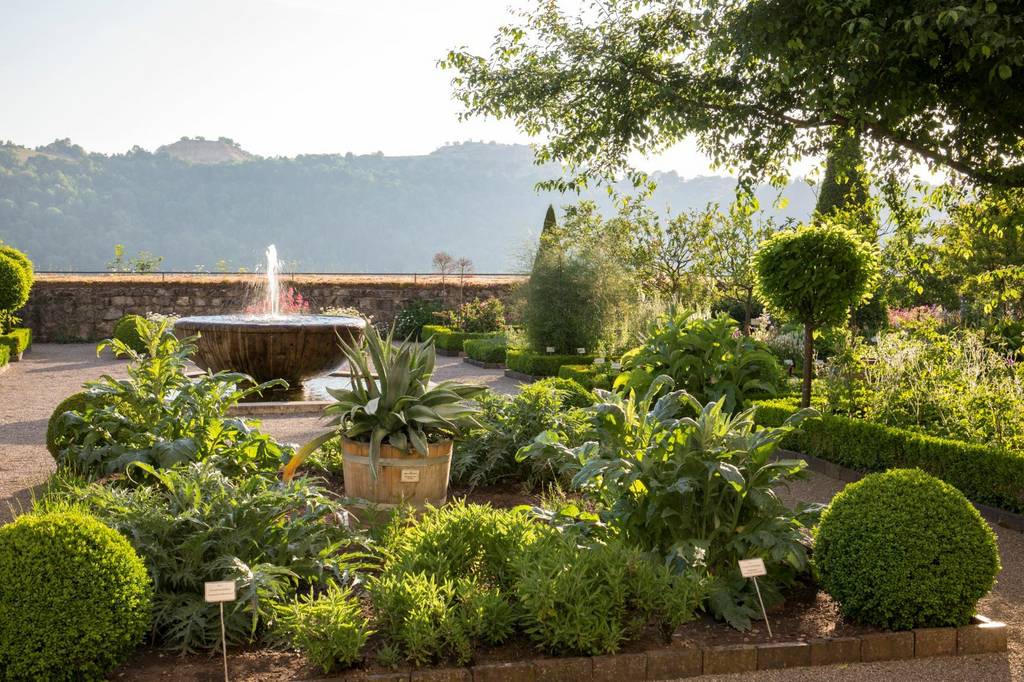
x,y
684,659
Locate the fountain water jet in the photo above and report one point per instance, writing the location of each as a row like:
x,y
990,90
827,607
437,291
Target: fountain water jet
x,y
272,345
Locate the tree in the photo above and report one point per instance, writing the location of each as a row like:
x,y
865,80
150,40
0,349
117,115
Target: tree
x,y
728,255
760,83
815,274
443,264
846,185
15,285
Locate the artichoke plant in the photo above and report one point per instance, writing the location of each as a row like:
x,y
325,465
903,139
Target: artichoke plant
x,y
397,406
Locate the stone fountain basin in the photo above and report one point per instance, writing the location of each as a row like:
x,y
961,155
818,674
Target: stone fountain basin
x,y
289,347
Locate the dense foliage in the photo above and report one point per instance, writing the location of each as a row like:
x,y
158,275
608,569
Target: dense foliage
x,y
760,83
160,416
707,358
491,350
192,524
15,285
330,629
537,364
74,598
410,319
698,491
478,315
487,455
903,550
131,330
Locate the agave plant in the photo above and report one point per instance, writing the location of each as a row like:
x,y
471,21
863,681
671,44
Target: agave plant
x,y
397,406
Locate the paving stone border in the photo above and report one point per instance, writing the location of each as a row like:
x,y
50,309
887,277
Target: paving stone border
x,y
682,659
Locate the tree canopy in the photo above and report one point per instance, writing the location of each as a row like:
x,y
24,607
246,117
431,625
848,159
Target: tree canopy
x,y
760,83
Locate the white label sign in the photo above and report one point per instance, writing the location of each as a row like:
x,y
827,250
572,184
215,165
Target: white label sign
x,y
581,351
410,475
220,591
551,349
752,568
598,361
616,365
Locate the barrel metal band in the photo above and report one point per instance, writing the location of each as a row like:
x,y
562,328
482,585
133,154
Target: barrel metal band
x,y
400,463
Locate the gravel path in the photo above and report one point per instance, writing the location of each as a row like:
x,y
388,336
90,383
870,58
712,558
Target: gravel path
x,y
30,389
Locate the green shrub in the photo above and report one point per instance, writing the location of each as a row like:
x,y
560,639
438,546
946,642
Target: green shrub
x,y
410,320
707,487
24,261
131,330
74,598
78,403
15,286
591,598
192,524
159,416
903,550
590,376
330,629
490,350
708,358
17,340
984,474
541,364
487,455
477,316
450,339
5,355
446,580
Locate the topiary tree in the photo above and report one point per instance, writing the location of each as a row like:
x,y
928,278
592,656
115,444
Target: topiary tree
x,y
15,285
815,274
76,402
24,260
75,598
902,550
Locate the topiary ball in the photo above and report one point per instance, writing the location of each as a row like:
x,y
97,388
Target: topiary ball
x,y
903,550
75,598
130,330
76,402
24,260
14,284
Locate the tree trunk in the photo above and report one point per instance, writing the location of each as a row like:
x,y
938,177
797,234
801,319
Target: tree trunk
x,y
748,309
805,399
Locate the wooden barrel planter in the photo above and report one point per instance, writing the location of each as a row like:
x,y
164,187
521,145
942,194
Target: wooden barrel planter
x,y
403,477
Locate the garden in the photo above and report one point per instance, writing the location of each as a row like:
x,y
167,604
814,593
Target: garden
x,y
735,444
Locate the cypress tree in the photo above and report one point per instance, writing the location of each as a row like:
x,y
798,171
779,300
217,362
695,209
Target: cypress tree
x,y
845,186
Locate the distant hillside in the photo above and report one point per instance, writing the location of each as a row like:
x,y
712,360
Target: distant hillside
x,y
197,202
199,150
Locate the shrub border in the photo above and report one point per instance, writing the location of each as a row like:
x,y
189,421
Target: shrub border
x,y
985,475
680,659
18,340
529,365
449,341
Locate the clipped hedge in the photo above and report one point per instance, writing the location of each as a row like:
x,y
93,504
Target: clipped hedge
x,y
541,364
450,339
590,376
5,356
75,598
903,550
17,341
490,350
984,474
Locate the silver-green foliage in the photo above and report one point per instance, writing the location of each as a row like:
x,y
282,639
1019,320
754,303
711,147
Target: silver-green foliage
x,y
699,490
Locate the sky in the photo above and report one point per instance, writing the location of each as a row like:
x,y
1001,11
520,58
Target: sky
x,y
280,77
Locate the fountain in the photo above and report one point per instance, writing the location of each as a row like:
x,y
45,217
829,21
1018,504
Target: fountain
x,y
271,345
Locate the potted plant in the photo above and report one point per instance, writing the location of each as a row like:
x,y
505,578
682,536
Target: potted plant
x,y
396,430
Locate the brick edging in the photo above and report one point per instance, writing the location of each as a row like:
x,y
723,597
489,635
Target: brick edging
x,y
995,515
482,364
680,660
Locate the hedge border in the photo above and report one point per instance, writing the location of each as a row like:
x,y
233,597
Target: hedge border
x,y
590,376
489,352
450,340
5,357
985,475
17,341
681,659
534,364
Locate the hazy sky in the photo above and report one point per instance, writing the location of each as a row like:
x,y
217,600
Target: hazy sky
x,y
281,77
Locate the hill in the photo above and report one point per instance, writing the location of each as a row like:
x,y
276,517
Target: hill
x,y
197,202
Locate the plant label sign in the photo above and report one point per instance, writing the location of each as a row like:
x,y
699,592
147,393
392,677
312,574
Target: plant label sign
x,y
551,349
616,365
220,591
581,351
752,568
410,475
598,361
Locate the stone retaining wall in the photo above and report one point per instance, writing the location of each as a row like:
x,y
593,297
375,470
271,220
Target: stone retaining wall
x,y
84,308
